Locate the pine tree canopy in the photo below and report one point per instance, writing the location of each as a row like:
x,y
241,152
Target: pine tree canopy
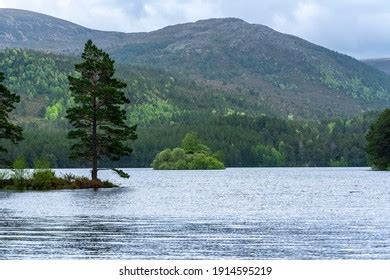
x,y
98,117
7,104
378,142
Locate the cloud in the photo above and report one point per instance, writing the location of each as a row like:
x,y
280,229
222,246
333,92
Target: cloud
x,y
356,27
154,14
121,15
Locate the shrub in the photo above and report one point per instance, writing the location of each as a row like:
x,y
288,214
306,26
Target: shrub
x,y
19,169
178,154
181,164
42,163
69,177
214,163
43,176
199,161
42,173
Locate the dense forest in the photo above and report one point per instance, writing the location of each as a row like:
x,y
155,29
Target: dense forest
x,y
237,140
240,127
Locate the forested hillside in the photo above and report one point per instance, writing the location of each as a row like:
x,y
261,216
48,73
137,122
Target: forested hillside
x,y
255,96
255,67
41,80
167,106
264,61
382,64
237,140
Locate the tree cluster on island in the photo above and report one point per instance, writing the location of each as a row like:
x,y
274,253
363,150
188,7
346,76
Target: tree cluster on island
x,y
191,155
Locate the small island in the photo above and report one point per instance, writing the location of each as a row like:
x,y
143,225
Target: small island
x,y
43,178
192,155
37,183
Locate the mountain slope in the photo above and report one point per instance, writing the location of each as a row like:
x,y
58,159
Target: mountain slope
x,y
261,59
25,29
258,69
41,81
382,64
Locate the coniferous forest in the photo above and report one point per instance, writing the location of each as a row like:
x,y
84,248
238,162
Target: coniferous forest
x,y
166,106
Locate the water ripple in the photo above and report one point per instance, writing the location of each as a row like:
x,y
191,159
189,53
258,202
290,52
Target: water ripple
x,y
234,214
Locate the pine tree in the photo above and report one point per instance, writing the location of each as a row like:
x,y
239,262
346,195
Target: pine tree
x,y
378,142
7,104
98,117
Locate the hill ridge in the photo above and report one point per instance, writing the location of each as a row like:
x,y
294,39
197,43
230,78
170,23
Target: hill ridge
x,y
289,75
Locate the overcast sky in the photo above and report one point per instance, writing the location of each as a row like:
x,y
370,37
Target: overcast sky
x,y
360,28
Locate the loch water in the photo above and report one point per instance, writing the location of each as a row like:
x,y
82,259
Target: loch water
x,y
237,213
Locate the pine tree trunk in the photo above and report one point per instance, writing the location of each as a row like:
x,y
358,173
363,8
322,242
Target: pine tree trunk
x,y
94,144
94,168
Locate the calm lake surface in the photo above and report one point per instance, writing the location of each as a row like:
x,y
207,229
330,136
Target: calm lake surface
x,y
239,213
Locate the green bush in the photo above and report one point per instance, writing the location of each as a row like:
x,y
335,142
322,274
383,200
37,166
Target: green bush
x,y
181,164
191,155
43,176
214,163
19,169
42,172
178,154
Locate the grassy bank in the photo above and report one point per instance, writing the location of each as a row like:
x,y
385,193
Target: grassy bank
x,y
42,178
21,177
52,183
